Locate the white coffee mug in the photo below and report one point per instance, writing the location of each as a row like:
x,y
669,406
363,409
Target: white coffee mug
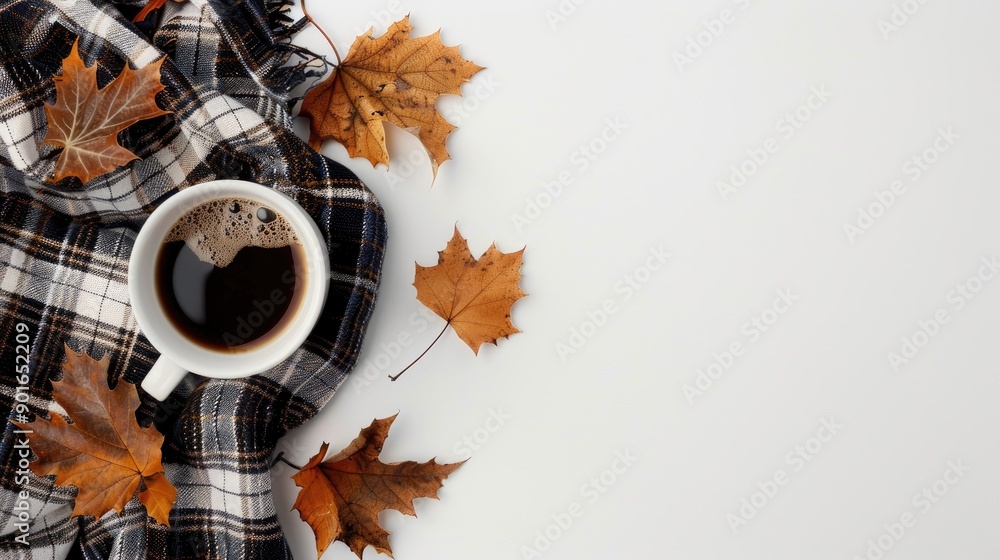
x,y
179,354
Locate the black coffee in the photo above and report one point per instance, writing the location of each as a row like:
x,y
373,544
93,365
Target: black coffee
x,y
230,275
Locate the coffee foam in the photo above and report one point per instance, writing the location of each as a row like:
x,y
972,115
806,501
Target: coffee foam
x,y
216,230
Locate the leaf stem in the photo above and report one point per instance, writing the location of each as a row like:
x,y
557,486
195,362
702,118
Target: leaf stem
x,y
309,18
281,458
395,377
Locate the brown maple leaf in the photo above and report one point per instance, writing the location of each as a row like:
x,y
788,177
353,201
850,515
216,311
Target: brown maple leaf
x,y
473,296
85,121
342,496
103,452
390,79
150,7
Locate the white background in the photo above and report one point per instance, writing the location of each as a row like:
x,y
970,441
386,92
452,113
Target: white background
x,y
548,91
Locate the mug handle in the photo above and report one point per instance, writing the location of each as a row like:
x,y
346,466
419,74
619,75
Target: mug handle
x,y
162,378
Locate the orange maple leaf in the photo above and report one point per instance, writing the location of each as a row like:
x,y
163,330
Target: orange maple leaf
x,y
103,452
85,121
390,79
473,295
342,496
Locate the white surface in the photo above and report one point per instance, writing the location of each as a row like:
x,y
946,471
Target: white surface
x,y
656,185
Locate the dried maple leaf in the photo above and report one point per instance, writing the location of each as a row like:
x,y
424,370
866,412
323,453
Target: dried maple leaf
x,y
389,79
104,452
342,496
473,296
85,121
150,7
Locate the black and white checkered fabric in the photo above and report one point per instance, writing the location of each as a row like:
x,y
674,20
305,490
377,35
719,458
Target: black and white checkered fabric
x,y
64,251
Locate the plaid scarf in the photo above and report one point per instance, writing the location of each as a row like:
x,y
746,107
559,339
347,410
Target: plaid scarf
x,y
64,252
